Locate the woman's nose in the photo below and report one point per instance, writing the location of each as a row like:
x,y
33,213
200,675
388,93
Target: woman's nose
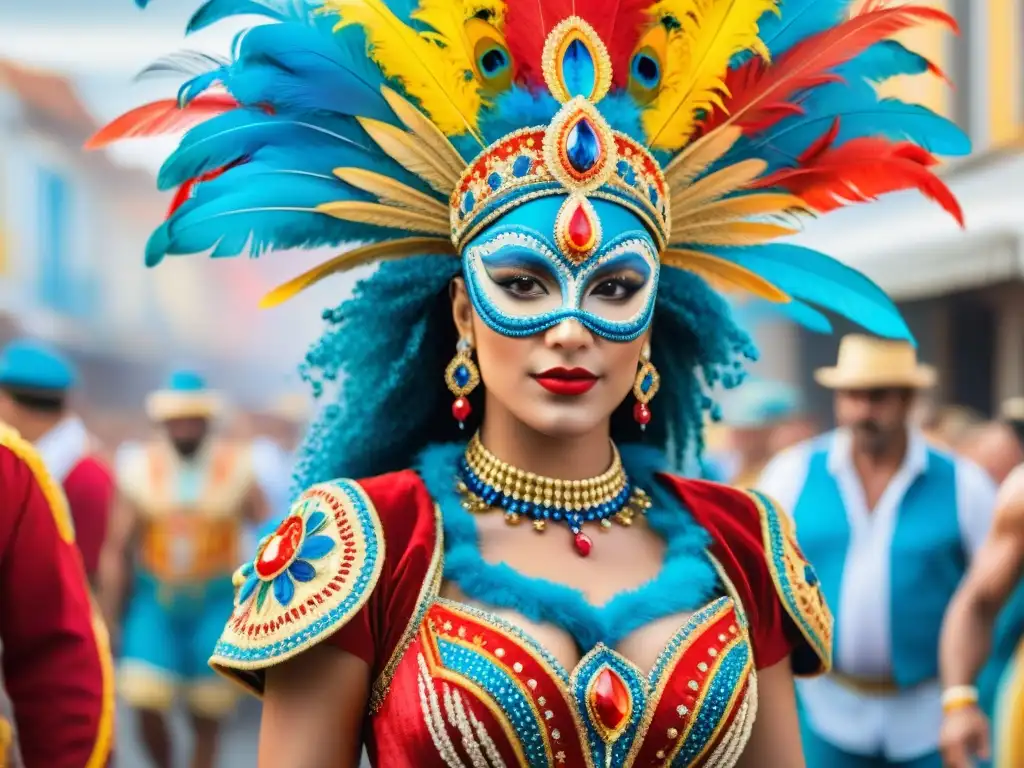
x,y
570,334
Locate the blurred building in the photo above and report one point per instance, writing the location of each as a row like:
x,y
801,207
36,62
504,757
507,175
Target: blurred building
x,y
73,229
962,291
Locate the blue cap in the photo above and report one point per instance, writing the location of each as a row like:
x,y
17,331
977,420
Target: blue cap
x,y
34,365
185,380
761,403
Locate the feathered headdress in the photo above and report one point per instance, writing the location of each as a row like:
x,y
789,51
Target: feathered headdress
x,y
407,127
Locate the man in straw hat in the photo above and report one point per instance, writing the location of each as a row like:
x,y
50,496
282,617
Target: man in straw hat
x,y
890,523
36,382
984,624
183,498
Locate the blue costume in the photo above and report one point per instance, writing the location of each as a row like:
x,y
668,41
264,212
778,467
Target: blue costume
x,y
189,519
888,575
35,366
578,166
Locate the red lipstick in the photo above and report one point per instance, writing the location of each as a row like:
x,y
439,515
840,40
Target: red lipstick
x,y
570,382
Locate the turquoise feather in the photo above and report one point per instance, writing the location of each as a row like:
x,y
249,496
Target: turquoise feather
x,y
756,311
825,282
241,132
281,10
799,19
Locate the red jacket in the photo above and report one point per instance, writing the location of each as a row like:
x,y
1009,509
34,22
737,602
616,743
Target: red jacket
x,y
56,660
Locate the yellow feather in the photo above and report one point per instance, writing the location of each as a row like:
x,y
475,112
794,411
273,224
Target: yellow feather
x,y
710,33
723,274
387,216
394,192
393,249
698,156
718,184
448,20
735,233
734,209
412,154
434,75
420,125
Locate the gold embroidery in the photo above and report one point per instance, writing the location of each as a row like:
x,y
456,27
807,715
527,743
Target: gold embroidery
x,y
795,581
6,740
428,592
52,491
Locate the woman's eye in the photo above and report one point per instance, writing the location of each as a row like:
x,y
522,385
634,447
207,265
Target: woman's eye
x,y
523,286
615,289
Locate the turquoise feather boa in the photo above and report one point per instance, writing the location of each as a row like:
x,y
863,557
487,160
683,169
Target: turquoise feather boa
x,y
687,579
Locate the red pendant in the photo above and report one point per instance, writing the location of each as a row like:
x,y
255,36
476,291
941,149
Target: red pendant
x,y
461,409
610,700
642,414
583,544
580,233
282,548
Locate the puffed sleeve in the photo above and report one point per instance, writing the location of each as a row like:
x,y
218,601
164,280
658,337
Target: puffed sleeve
x,y
755,543
346,566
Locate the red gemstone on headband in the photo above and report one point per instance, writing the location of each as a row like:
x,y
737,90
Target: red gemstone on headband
x,y
583,544
580,232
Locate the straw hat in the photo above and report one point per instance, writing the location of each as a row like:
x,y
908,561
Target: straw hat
x,y
868,362
184,396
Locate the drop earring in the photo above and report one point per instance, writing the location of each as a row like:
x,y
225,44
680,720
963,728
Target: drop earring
x,y
462,377
645,387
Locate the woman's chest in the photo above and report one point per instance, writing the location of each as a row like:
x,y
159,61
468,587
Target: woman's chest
x,y
471,689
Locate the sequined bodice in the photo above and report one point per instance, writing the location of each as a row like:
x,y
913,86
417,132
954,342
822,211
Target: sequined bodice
x,y
490,695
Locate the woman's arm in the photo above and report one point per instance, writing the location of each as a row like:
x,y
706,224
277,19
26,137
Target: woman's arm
x,y
775,739
313,709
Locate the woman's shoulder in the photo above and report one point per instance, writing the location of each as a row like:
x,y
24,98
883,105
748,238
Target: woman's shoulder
x,y
755,544
342,541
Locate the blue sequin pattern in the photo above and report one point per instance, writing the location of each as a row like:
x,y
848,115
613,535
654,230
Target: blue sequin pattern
x,y
522,715
238,649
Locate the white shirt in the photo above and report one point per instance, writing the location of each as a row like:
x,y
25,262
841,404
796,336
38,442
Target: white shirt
x,y
61,448
906,725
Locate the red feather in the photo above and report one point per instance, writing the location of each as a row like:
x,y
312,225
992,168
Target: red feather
x,y
186,190
761,94
161,117
861,170
619,24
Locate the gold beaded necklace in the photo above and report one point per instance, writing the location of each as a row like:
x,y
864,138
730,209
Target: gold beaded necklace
x,y
486,482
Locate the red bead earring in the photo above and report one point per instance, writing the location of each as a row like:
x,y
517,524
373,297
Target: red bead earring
x,y
645,387
462,377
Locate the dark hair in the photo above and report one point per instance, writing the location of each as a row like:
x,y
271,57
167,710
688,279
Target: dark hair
x,y
380,365
47,401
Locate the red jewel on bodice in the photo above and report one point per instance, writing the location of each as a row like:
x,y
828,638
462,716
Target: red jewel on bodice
x,y
281,550
610,700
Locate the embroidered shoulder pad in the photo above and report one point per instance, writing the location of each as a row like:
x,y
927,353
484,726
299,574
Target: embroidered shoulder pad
x,y
798,587
52,491
308,579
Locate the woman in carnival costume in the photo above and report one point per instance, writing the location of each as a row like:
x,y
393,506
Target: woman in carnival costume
x,y
555,189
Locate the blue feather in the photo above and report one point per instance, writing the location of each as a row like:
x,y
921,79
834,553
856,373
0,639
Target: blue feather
x,y
296,67
860,113
882,61
276,210
281,10
794,311
796,20
199,84
241,132
818,279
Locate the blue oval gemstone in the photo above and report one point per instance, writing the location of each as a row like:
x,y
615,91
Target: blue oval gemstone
x,y
521,166
578,71
582,146
461,376
645,385
468,201
494,181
